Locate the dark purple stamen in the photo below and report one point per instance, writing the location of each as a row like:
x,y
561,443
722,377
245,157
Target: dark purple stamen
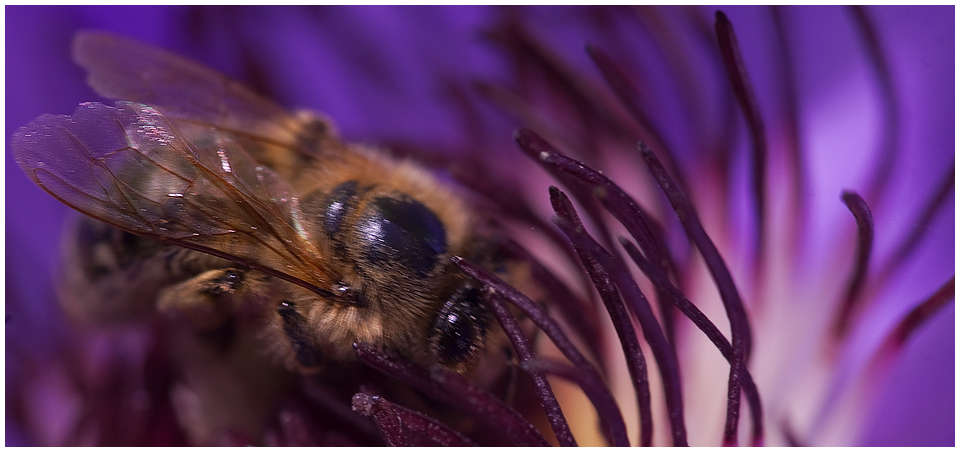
x,y
608,411
575,311
530,53
636,364
791,129
403,427
596,392
519,109
592,108
790,436
520,343
851,295
890,349
623,207
609,277
483,403
919,315
890,130
445,386
627,93
592,211
742,90
503,193
739,327
629,97
337,415
631,215
919,226
708,328
721,147
682,70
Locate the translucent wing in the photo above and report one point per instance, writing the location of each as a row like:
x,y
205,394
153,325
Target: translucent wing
x,y
186,91
129,166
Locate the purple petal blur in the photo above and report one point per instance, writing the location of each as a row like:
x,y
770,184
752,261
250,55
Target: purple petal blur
x,y
384,74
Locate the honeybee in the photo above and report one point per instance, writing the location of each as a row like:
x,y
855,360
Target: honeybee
x,y
218,211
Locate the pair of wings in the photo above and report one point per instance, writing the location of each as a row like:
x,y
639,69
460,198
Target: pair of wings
x,y
169,161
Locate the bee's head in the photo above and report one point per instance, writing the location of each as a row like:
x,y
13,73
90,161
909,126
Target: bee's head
x,y
385,235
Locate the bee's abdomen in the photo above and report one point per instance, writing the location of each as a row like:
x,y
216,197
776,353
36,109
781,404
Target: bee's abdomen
x,y
109,275
103,250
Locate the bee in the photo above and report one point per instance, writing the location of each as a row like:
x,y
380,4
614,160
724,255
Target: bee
x,y
216,210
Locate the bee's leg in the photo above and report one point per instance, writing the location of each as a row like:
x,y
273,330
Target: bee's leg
x,y
111,276
305,351
225,384
208,299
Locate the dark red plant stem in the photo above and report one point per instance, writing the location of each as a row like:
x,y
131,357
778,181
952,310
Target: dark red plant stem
x,y
739,327
547,400
609,277
890,130
851,295
708,328
609,412
403,427
453,389
742,90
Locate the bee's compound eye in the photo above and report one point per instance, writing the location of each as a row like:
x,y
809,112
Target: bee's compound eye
x,y
400,230
458,332
457,336
338,204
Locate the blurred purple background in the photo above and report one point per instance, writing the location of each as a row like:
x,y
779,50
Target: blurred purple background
x,y
379,72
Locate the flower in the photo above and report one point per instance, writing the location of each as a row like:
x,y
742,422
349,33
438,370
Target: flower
x,y
399,75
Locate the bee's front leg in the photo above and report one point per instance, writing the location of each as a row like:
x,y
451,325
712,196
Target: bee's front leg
x,y
210,298
226,382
